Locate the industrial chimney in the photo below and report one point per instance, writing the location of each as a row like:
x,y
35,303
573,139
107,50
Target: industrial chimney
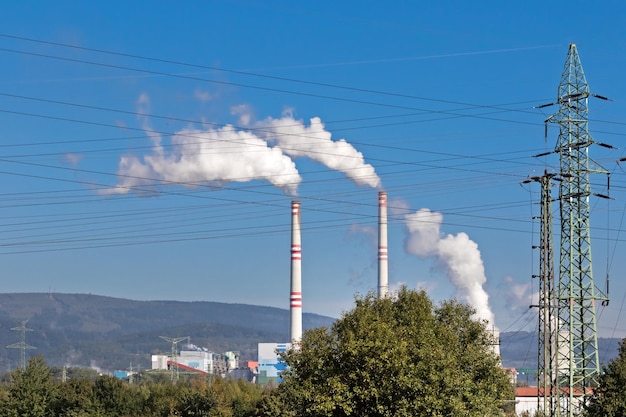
x,y
383,256
295,299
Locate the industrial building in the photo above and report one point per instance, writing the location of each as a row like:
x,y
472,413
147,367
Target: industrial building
x,y
270,364
194,360
200,361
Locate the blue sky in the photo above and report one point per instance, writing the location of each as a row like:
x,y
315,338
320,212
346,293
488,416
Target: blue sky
x,y
151,151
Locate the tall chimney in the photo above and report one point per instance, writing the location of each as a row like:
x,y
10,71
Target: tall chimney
x,y
296,275
383,256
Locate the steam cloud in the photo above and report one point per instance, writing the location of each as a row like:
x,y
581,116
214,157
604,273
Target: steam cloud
x,y
457,256
219,156
216,157
315,142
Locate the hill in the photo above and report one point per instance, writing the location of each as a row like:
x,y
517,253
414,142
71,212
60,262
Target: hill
x,y
85,330
111,333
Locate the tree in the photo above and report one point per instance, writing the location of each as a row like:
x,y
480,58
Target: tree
x,y
112,397
609,398
76,398
32,392
197,400
398,356
271,404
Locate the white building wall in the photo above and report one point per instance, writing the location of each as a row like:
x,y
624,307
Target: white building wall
x,y
201,360
269,361
159,361
525,404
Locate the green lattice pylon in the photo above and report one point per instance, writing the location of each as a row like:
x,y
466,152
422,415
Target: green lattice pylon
x,y
576,294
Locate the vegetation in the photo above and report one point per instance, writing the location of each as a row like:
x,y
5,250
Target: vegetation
x,y
386,357
609,399
394,357
34,392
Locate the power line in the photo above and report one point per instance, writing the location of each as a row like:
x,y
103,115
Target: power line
x,y
318,84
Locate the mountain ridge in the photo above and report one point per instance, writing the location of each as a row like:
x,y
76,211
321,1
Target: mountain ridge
x,y
93,330
109,333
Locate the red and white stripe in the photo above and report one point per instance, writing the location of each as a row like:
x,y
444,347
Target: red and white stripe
x,y
296,253
296,300
382,253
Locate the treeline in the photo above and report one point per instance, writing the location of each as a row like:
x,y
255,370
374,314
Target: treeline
x,y
37,392
400,356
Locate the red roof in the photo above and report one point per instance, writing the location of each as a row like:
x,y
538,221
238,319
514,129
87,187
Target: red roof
x,y
535,392
251,364
185,367
526,391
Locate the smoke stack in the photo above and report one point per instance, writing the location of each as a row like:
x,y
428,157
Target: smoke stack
x,y
383,256
296,275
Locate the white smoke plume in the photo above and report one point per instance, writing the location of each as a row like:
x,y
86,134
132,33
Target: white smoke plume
x,y
457,256
259,151
519,296
143,110
315,142
213,157
209,157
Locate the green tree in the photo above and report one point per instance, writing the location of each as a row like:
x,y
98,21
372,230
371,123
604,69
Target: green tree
x,y
197,400
399,356
114,398
271,405
32,392
236,398
76,398
609,398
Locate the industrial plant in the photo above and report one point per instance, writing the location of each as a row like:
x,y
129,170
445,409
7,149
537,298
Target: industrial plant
x,y
567,352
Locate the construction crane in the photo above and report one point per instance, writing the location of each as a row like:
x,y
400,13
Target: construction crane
x,y
574,332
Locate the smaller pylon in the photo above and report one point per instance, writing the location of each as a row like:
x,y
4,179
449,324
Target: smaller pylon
x,y
548,400
174,354
22,345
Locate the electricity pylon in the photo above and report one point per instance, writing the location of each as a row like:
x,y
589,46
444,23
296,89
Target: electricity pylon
x,y
548,398
174,354
576,294
22,345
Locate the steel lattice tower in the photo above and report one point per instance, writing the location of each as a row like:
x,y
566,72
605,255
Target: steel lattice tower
x,y
576,294
548,398
22,345
174,355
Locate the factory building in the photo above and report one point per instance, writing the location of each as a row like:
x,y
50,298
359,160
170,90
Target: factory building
x,y
192,360
270,364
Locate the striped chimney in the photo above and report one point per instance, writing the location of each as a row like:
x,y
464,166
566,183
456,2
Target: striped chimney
x,y
295,299
383,256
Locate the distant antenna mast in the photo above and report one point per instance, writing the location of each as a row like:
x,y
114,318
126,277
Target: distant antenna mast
x,y
174,355
22,345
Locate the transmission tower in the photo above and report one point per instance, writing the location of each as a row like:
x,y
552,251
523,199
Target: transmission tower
x,y
22,345
548,398
575,333
174,355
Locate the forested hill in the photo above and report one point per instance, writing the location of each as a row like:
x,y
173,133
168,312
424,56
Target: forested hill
x,y
111,333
